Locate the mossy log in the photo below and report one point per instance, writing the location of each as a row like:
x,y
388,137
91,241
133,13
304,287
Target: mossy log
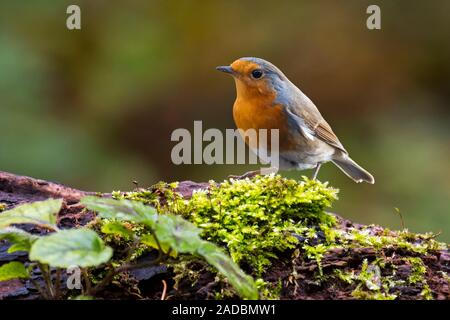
x,y
346,261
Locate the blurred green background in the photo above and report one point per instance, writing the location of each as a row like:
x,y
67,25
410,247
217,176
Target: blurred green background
x,y
95,108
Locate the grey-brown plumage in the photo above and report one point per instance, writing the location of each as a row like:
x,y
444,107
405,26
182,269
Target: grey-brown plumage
x,y
318,137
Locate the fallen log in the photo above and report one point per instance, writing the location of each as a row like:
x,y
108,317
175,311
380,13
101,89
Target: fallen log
x,y
339,275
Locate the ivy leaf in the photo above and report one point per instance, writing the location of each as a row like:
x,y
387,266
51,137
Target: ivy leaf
x,y
13,270
117,228
67,248
21,240
42,213
121,209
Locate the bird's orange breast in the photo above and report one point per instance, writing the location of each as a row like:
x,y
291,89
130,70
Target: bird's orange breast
x,y
260,113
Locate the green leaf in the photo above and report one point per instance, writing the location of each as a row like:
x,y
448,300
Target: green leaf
x,y
41,213
121,209
18,247
21,240
149,240
243,283
117,228
83,297
67,248
13,270
174,232
184,237
179,234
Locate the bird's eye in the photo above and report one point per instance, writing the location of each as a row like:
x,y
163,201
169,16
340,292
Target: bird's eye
x,y
257,73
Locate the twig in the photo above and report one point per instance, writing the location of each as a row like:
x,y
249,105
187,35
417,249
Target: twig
x,y
163,296
401,217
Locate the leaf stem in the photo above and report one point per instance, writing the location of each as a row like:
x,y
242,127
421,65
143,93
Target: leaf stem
x,y
127,266
46,275
42,292
87,281
58,283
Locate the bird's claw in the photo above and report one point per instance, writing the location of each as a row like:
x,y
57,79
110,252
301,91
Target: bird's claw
x,y
250,174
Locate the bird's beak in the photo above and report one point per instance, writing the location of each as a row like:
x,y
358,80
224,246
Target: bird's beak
x,y
226,69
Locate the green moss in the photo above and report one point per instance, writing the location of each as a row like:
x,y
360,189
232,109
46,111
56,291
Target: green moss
x,y
347,277
445,276
187,269
417,276
418,270
254,219
152,195
358,293
268,290
269,217
121,242
370,284
316,253
426,292
224,293
371,236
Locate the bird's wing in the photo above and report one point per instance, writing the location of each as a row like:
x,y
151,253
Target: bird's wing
x,y
311,122
323,131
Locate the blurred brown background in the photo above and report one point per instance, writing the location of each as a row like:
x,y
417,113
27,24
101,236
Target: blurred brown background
x,y
95,108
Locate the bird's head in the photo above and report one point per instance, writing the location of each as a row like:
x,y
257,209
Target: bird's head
x,y
256,77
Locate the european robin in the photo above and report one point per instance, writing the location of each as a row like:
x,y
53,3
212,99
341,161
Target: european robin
x,y
266,99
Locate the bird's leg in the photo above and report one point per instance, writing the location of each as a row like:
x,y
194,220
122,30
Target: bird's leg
x,y
316,170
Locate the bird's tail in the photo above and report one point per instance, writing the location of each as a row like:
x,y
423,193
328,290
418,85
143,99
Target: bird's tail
x,y
353,170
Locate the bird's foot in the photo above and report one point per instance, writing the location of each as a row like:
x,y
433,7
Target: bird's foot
x,y
249,174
